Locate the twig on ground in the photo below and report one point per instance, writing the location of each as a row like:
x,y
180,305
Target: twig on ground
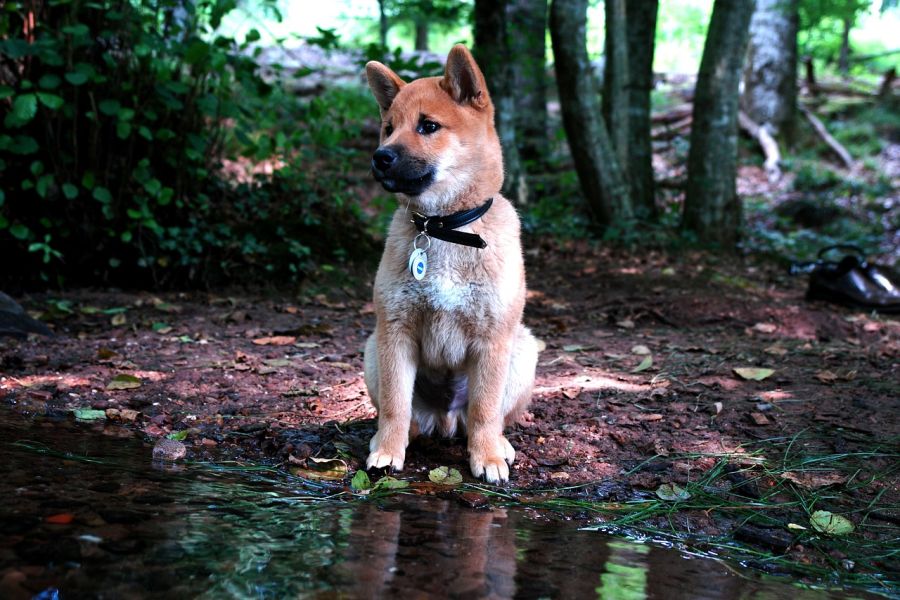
x,y
835,145
766,142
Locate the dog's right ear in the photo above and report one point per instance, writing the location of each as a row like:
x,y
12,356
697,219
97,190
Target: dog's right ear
x,y
384,84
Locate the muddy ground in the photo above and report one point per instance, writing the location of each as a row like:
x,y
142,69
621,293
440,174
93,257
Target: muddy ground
x,y
636,386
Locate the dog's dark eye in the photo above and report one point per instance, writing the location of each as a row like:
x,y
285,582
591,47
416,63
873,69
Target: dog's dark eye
x,y
388,130
427,127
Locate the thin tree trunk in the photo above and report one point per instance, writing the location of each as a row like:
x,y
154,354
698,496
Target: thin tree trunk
x,y
886,89
382,24
527,30
844,56
770,73
493,56
615,79
712,209
422,35
641,25
599,173
812,87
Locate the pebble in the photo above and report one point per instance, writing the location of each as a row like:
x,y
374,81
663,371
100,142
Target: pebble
x,y
166,449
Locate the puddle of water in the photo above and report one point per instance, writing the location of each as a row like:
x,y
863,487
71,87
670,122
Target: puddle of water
x,y
138,531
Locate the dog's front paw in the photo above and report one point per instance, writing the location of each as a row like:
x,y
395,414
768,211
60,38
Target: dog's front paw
x,y
379,459
491,460
382,455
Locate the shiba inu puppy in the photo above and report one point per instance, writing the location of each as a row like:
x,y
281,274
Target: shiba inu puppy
x,y
449,351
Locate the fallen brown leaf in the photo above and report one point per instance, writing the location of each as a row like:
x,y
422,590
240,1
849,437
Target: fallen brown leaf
x,y
759,418
826,376
275,340
815,479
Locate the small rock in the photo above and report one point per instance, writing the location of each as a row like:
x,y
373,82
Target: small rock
x,y
473,500
166,449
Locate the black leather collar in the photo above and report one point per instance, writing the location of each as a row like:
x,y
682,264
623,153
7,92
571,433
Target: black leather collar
x,y
443,228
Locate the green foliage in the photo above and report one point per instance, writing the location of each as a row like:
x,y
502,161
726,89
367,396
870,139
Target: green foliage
x,y
440,16
116,118
409,67
821,26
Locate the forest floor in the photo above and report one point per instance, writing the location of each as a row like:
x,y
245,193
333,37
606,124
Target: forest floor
x,y
639,393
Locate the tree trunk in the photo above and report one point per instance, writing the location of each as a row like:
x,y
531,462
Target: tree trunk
x,y
599,173
527,28
382,24
641,26
493,56
615,79
712,209
422,35
770,73
812,87
844,56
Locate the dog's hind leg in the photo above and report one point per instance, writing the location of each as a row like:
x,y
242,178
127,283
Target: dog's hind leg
x,y
370,362
519,384
520,381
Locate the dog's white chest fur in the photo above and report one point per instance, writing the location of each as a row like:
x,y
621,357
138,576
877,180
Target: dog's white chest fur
x,y
444,293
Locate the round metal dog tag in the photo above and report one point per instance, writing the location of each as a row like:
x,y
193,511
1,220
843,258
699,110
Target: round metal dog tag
x,y
418,263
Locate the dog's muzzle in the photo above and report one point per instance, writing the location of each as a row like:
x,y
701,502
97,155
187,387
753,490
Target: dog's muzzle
x,y
397,172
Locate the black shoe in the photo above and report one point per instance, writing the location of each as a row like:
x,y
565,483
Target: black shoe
x,y
854,282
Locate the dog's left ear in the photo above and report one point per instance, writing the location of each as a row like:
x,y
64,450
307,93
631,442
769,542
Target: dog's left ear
x,y
463,79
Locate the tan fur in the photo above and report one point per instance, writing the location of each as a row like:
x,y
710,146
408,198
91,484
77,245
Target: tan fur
x,y
465,316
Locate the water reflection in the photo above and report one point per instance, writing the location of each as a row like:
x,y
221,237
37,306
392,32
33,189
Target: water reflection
x,y
127,530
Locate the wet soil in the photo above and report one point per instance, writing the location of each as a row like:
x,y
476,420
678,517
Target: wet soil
x,y
636,386
94,517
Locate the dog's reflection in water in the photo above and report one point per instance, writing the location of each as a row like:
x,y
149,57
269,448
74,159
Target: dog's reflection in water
x,y
434,548
438,549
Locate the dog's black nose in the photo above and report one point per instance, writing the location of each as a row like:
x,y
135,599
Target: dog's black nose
x,y
384,158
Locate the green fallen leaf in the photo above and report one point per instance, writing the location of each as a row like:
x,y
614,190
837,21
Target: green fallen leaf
x,y
574,348
89,414
178,436
672,492
390,483
333,468
645,364
445,476
830,524
753,373
124,381
277,362
361,481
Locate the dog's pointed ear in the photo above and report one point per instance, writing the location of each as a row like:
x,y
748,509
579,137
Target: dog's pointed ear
x,y
384,83
463,79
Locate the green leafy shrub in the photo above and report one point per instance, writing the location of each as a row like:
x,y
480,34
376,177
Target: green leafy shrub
x,y
116,117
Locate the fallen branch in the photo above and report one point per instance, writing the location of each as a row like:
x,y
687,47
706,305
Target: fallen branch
x,y
835,145
838,89
673,114
673,183
865,57
667,132
766,142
